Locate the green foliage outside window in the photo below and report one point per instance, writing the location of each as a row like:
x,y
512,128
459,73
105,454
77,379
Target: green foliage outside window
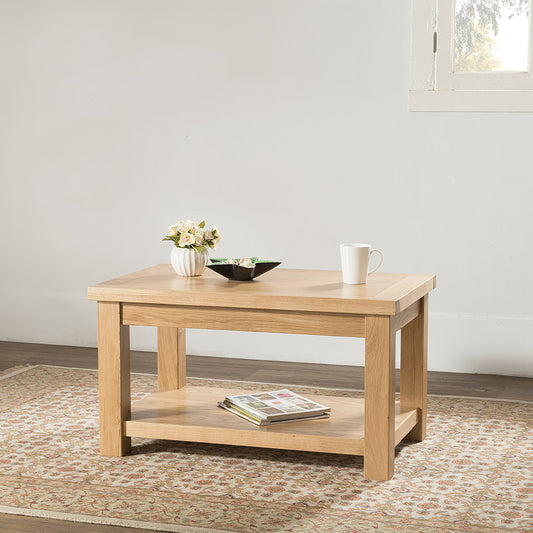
x,y
476,26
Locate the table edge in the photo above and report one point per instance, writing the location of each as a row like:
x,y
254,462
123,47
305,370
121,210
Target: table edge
x,y
375,306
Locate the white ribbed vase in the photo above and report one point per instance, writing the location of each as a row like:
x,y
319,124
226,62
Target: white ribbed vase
x,y
188,262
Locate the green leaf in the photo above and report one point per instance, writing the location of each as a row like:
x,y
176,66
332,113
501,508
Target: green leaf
x,y
202,224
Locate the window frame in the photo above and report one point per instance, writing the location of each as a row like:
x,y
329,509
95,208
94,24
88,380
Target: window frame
x,y
434,85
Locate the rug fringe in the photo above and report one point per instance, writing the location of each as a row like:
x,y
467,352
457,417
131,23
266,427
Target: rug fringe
x,y
87,519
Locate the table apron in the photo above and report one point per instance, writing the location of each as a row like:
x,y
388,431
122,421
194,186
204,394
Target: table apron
x,y
260,320
235,319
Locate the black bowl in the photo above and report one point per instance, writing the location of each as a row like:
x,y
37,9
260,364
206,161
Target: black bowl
x,y
240,273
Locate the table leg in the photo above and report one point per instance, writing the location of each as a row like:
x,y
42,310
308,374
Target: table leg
x,y
413,370
380,347
113,379
171,365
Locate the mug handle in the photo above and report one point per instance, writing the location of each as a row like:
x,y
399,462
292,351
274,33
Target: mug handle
x,y
380,261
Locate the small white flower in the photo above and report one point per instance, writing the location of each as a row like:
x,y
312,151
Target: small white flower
x,y
246,262
185,225
187,239
208,236
195,228
172,231
199,238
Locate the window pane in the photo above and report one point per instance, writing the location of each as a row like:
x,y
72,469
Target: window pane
x,y
491,35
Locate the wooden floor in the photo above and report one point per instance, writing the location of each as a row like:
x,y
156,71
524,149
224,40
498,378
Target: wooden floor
x,y
319,375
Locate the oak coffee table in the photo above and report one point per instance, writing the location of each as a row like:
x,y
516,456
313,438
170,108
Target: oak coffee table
x,y
311,302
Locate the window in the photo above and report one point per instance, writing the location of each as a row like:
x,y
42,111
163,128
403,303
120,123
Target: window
x,y
472,55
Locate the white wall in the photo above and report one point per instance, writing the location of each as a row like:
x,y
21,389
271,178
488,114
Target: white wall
x,y
285,123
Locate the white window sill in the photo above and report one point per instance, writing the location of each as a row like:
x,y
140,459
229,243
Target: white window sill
x,y
477,101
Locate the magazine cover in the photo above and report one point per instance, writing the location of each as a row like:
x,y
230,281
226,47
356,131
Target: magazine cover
x,y
263,422
279,404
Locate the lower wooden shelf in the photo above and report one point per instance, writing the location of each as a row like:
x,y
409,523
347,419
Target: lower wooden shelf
x,y
191,414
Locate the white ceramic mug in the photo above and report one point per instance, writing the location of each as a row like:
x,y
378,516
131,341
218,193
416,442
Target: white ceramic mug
x,y
354,259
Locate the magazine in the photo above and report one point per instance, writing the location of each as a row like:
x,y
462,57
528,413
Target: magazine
x,y
260,422
282,405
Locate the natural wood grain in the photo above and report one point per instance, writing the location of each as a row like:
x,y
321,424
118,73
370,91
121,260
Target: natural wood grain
x,y
379,398
408,314
407,290
335,324
191,414
280,289
289,301
171,361
113,379
413,369
405,424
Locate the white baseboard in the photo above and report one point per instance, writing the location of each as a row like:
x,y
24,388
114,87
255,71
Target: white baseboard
x,y
457,343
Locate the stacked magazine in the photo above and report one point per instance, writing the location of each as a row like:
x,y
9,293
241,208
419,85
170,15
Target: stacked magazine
x,y
265,408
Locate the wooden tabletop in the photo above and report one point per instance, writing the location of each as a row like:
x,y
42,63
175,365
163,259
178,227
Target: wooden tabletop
x,y
285,289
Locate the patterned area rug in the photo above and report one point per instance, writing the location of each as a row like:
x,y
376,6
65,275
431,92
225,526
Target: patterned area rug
x,y
474,472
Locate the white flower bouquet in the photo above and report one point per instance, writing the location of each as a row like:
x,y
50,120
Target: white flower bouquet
x,y
189,234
